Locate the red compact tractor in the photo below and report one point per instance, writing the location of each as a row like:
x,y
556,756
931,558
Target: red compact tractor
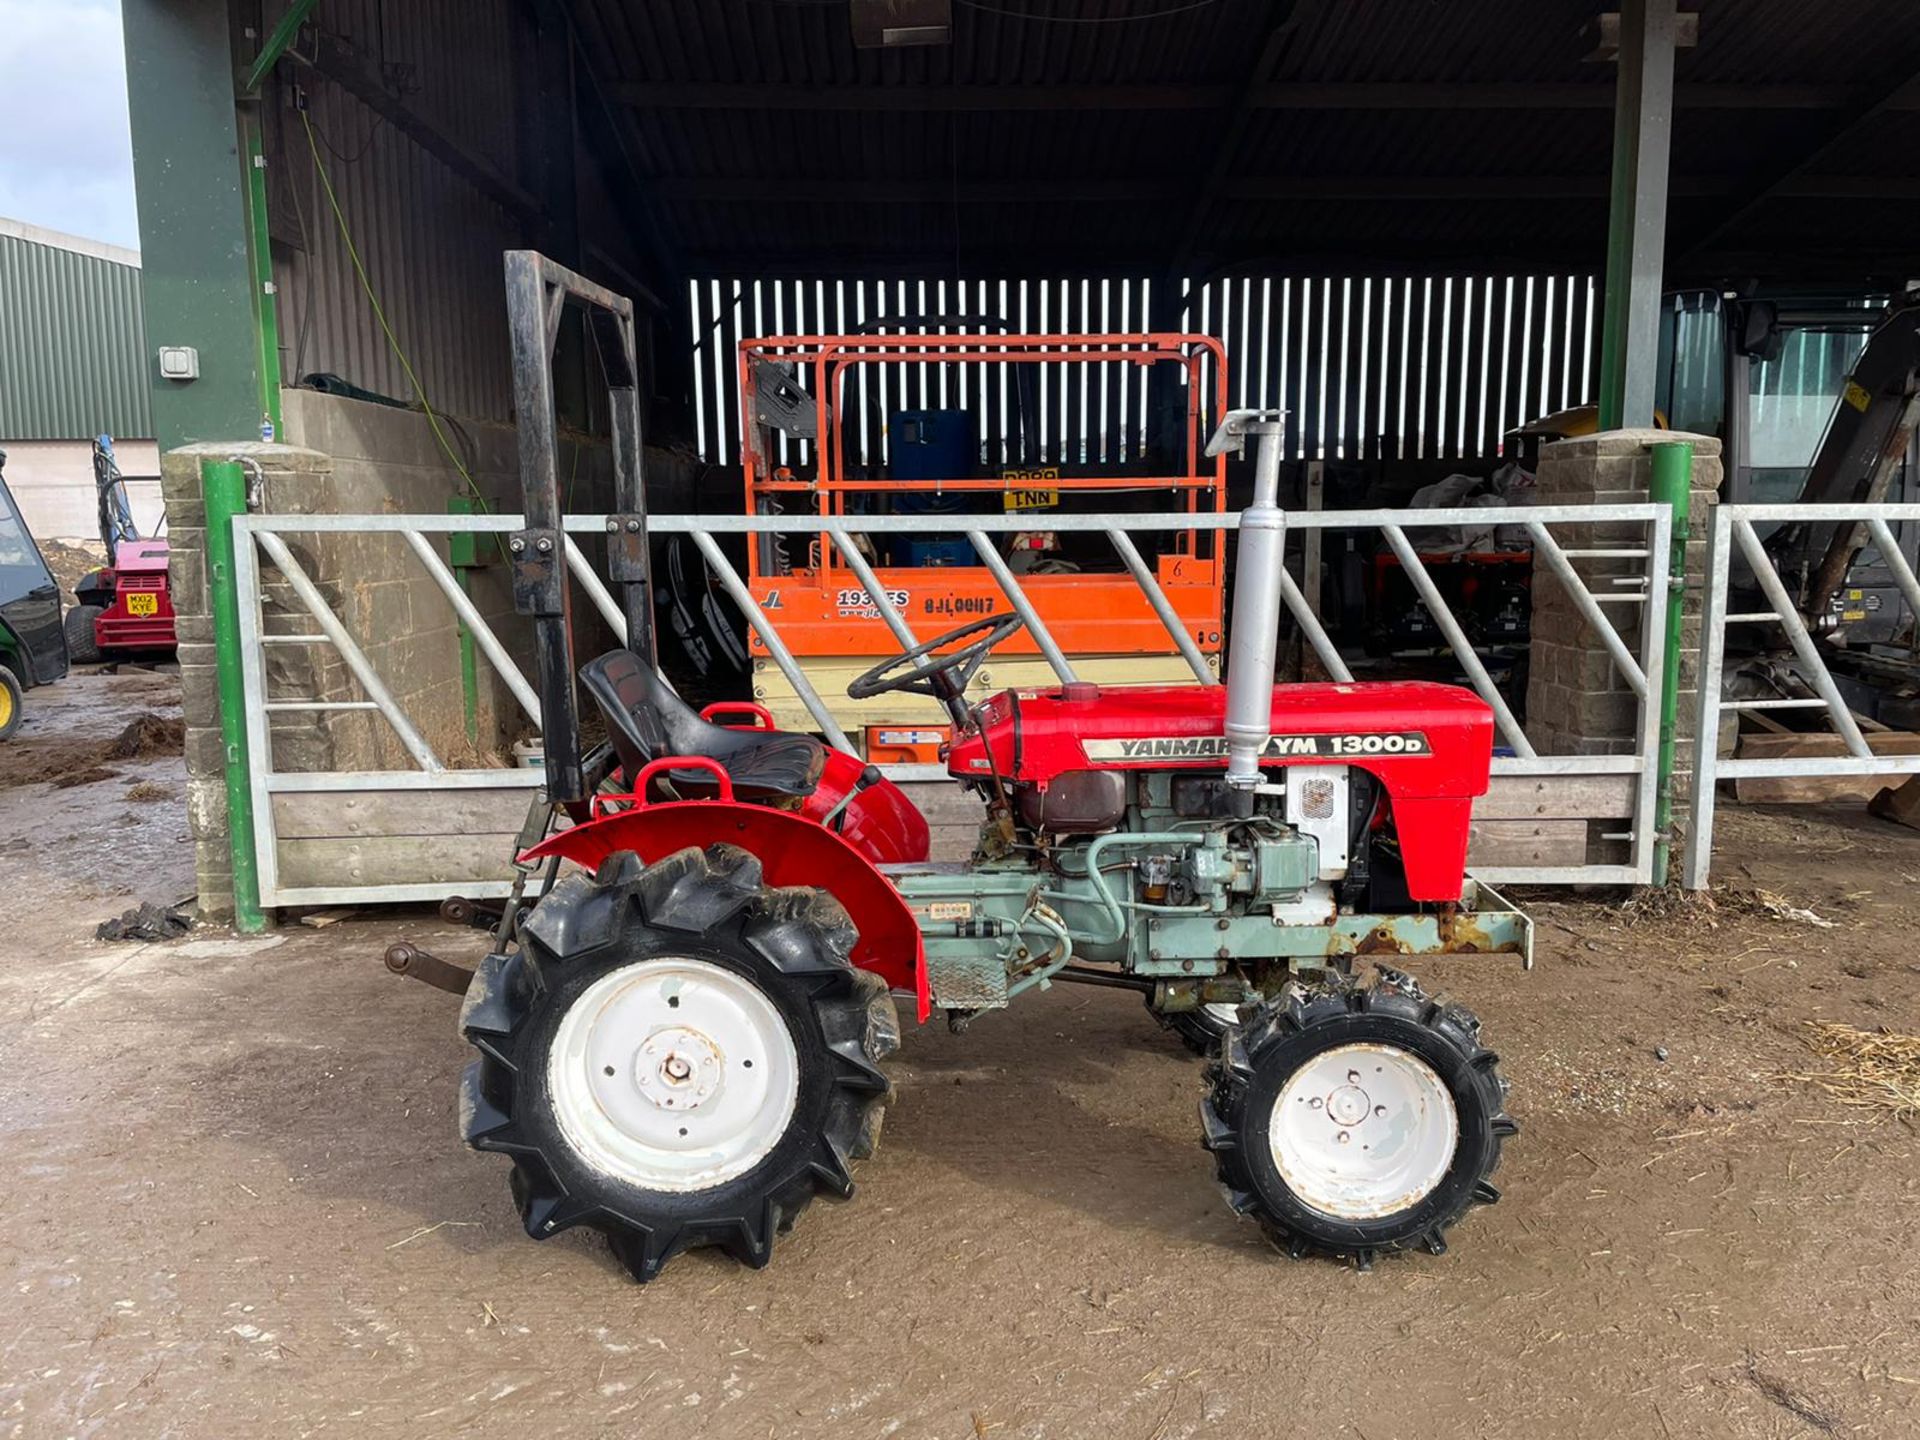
x,y
684,1039
125,607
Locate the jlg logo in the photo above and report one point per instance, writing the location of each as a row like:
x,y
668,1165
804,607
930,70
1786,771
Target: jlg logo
x,y
859,603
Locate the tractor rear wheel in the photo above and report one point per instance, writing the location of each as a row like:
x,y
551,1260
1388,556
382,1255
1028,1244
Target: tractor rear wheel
x,y
83,645
678,1056
1356,1122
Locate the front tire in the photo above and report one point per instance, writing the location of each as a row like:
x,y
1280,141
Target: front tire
x,y
678,1056
1356,1122
10,698
83,644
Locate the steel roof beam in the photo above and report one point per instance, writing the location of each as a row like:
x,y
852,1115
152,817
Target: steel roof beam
x,y
988,98
1637,213
334,60
1076,190
1779,180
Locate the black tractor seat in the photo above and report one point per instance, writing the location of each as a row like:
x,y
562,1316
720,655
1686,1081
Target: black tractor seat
x,y
649,722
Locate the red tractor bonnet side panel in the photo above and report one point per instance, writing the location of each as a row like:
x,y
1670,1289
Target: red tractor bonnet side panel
x,y
1430,745
792,850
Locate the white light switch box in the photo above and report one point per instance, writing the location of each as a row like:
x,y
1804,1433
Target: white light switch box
x,y
179,362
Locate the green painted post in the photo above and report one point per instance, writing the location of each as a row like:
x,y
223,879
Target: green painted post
x,y
1671,485
266,307
464,554
223,483
196,278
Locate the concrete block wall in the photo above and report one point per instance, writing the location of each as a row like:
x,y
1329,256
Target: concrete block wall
x,y
355,457
388,460
283,467
1577,702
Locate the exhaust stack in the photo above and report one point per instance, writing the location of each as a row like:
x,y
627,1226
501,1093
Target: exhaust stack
x,y
1254,637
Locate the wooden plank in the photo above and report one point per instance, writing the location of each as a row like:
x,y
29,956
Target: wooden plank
x,y
1526,842
395,860
1557,797
495,815
1814,789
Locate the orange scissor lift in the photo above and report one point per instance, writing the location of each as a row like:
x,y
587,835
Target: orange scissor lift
x,y
1100,618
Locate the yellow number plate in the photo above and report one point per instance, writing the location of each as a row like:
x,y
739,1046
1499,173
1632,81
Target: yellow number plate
x,y
1029,490
1031,498
143,602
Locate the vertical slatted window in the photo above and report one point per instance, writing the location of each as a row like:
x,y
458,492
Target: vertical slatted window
x,y
1367,367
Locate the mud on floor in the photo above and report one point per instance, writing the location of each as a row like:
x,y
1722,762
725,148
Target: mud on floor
x,y
236,1203
65,761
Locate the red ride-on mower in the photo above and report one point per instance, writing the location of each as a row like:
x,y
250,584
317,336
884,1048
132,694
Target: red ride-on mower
x,y
125,607
684,1039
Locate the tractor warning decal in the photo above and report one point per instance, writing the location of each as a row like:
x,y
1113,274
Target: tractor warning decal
x,y
1214,747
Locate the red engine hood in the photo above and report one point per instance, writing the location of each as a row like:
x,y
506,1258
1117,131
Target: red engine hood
x,y
1430,745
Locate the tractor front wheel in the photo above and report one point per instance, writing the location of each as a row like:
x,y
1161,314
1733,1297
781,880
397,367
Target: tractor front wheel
x,y
1356,1122
83,644
678,1056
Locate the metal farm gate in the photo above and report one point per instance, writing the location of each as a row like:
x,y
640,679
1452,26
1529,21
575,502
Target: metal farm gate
x,y
432,830
1735,536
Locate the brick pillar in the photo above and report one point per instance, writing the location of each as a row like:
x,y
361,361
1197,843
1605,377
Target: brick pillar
x,y
1577,703
285,468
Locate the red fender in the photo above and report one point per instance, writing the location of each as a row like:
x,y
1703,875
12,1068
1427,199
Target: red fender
x,y
791,851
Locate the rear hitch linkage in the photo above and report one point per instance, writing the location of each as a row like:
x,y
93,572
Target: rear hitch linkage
x,y
416,964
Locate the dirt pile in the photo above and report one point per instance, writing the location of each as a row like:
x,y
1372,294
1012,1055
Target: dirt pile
x,y
65,762
69,560
147,737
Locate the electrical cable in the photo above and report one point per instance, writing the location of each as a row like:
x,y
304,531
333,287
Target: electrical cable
x,y
380,314
365,145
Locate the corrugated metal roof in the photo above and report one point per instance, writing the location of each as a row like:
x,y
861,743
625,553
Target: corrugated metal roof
x,y
757,162
73,347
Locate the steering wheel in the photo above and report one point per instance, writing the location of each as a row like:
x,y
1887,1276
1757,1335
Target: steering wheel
x,y
942,677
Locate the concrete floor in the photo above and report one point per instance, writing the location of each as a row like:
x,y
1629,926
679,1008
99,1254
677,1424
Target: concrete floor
x,y
235,1203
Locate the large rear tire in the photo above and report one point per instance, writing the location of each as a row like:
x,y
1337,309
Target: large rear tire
x,y
83,644
678,1056
1356,1122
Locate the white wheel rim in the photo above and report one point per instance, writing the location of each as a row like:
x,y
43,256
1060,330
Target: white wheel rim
x,y
1222,1015
1363,1131
673,1074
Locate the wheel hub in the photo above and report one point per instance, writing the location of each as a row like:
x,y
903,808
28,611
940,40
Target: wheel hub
x,y
1349,1104
673,1074
1362,1131
677,1068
